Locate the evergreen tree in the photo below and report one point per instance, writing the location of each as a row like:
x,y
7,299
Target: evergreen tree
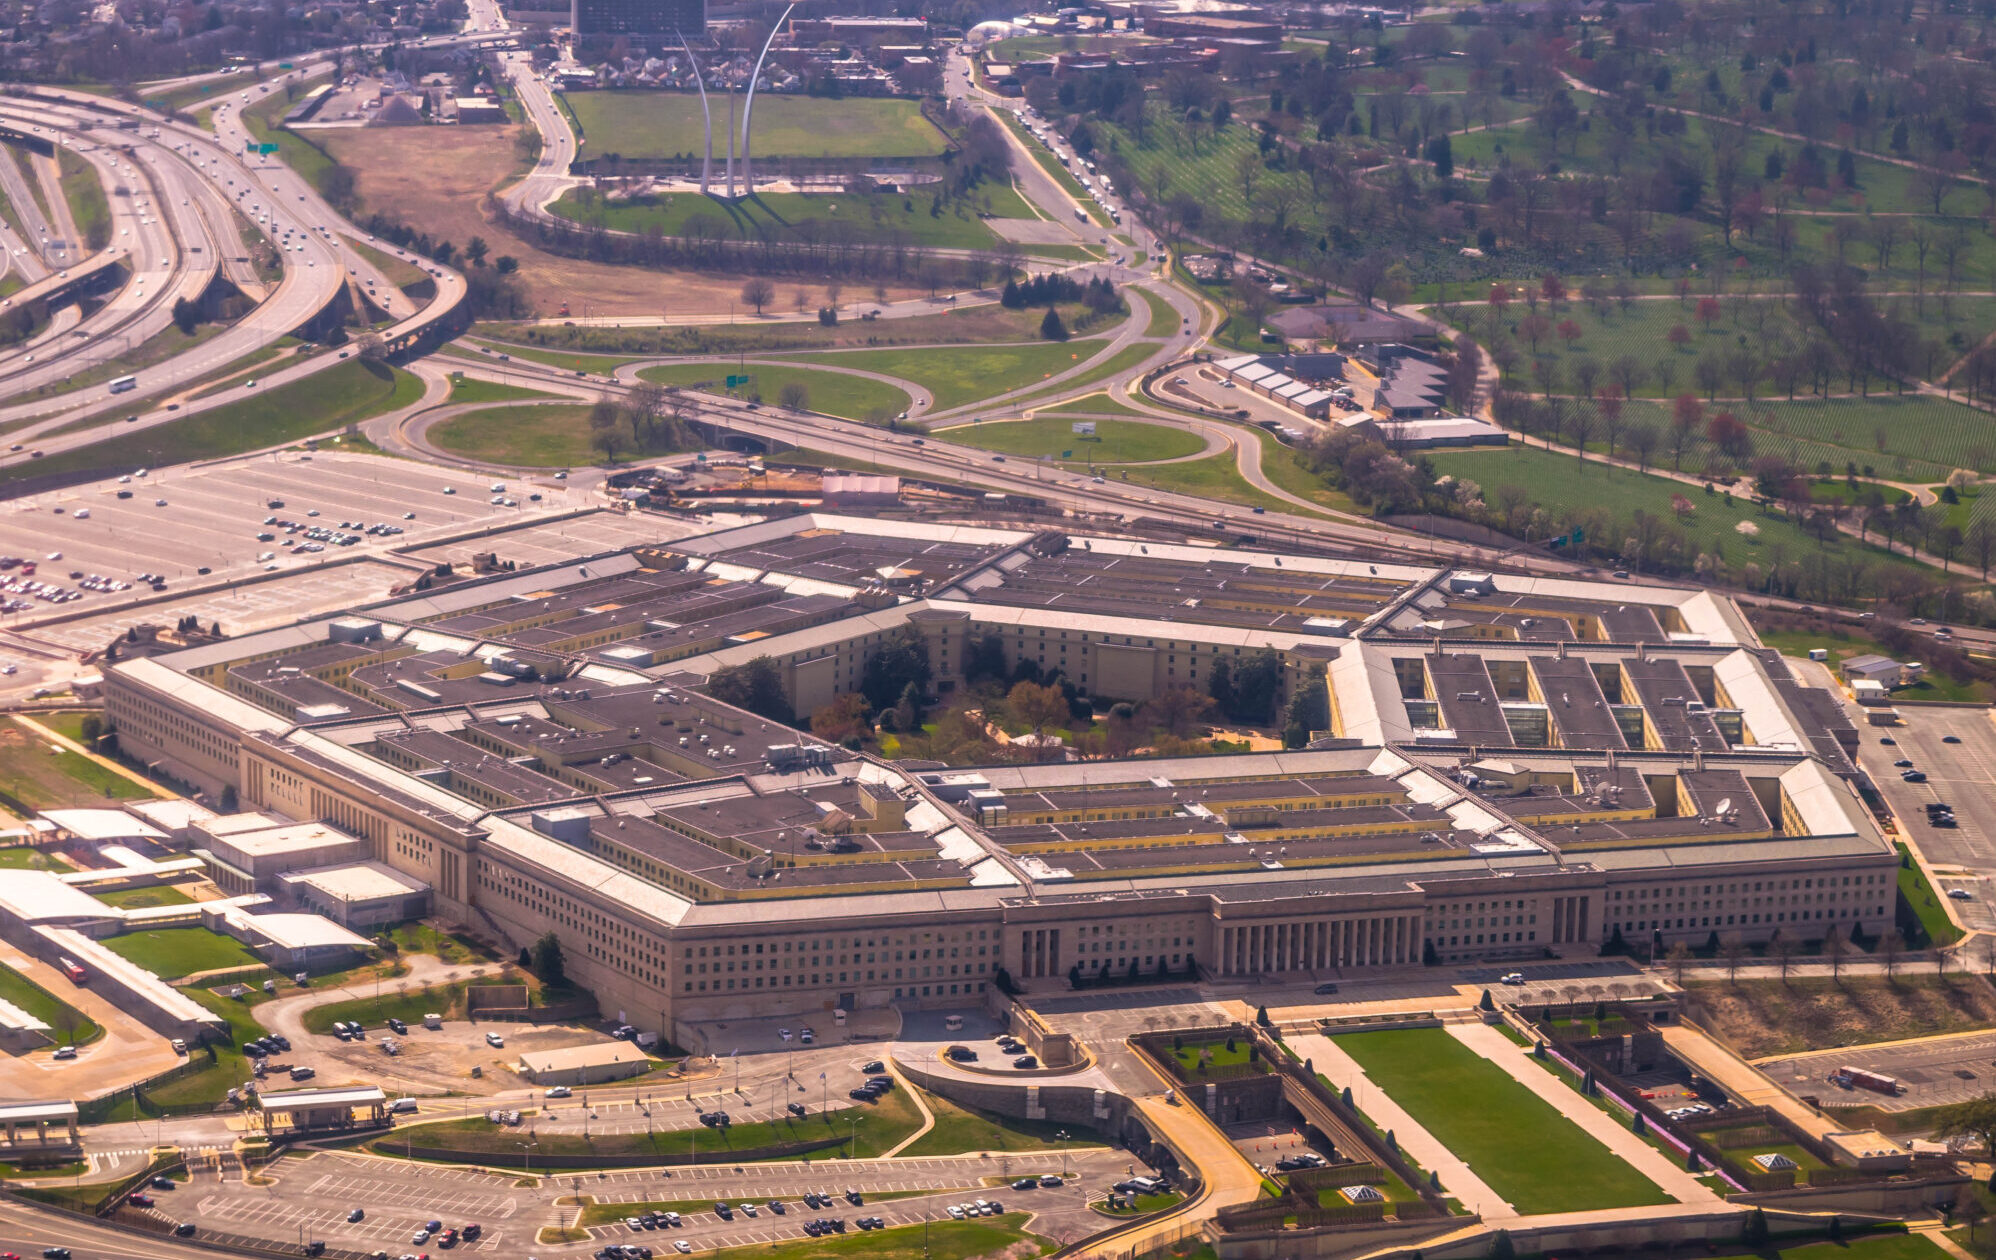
x,y
1051,329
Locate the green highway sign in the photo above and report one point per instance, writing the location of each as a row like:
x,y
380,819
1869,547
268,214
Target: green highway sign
x,y
737,380
266,149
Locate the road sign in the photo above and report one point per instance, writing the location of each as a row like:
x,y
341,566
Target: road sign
x,y
737,380
266,149
1067,454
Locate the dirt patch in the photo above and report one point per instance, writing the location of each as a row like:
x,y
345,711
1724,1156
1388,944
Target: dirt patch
x,y
437,178
1765,1017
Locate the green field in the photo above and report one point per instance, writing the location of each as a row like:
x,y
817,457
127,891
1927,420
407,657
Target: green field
x,y
1091,405
961,1129
1520,1146
555,435
946,1240
343,394
915,219
85,194
36,775
1925,903
662,124
1115,441
958,375
1214,477
833,393
468,389
25,857
171,953
1913,437
67,1025
396,1001
1603,500
140,898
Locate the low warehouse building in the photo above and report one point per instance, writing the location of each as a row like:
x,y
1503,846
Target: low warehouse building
x,y
584,1065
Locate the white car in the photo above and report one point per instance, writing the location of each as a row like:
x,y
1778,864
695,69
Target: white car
x,y
494,1040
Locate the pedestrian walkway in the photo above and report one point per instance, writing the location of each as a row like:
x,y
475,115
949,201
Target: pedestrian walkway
x,y
1739,1078
1421,1146
1634,1152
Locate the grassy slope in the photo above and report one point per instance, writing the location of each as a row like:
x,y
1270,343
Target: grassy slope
x,y
340,395
661,124
956,376
1115,441
834,393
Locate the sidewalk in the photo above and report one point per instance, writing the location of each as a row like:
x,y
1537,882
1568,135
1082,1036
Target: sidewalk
x,y
1634,1152
1457,1180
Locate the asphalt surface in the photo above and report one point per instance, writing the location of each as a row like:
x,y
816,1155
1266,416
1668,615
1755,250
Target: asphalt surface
x,y
1935,1071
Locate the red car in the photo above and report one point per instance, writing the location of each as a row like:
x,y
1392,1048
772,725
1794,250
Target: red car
x,y
140,1200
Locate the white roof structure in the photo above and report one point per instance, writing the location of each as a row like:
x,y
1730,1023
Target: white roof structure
x,y
575,1058
31,1112
32,897
175,814
356,881
289,838
345,1096
94,825
297,931
14,1019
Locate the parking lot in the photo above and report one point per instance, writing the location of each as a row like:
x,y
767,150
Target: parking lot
x,y
1963,775
178,523
1934,1072
311,1196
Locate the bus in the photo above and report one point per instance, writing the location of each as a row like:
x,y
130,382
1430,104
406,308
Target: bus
x,y
124,384
74,970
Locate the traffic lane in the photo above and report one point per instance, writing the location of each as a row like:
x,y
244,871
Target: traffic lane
x,y
1936,1072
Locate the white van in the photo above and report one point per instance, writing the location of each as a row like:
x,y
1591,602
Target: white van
x,y
433,1020
402,1106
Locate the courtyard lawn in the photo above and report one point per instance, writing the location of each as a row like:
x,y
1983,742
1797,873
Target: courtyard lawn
x,y
171,953
639,124
37,776
25,857
958,375
140,898
67,1025
1114,441
833,393
1925,903
915,218
1520,1145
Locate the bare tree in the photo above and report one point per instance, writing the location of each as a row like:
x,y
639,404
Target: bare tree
x,y
1834,948
1735,950
758,292
1783,948
1890,948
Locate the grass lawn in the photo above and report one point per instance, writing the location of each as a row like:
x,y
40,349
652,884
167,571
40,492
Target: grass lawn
x,y
399,272
171,953
958,375
1188,1057
1925,902
343,394
1602,499
421,938
466,389
1106,371
397,1001
40,778
873,1129
1114,441
140,898
661,124
25,857
550,436
602,364
69,722
944,1240
1058,173
1165,320
913,218
1092,405
1214,477
1519,1144
961,1129
1914,437
85,194
833,393
262,120
67,1025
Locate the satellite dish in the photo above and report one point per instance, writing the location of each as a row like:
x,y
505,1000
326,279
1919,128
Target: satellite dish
x,y
1724,805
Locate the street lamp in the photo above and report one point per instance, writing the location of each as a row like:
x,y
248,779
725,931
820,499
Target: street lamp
x,y
527,1157
1061,1139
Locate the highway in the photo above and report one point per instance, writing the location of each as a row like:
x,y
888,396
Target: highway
x,y
203,173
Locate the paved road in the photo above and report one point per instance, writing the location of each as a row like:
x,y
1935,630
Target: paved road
x,y
1934,1070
